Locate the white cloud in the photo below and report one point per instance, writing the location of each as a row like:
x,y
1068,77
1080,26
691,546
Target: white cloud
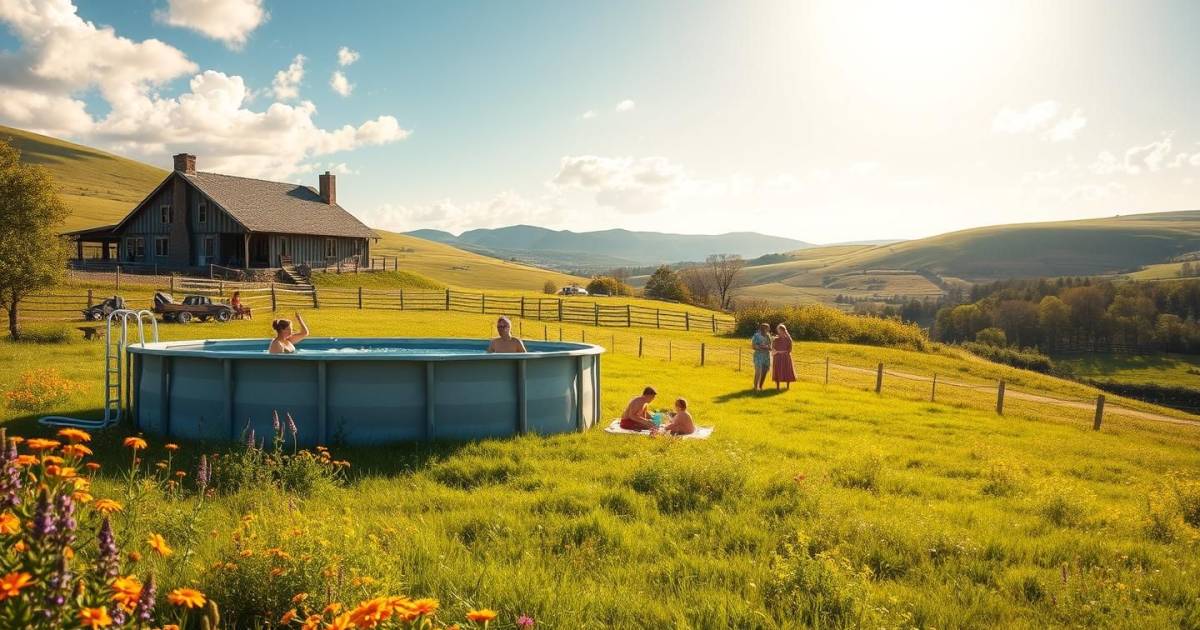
x,y
346,56
625,183
1030,119
228,21
61,56
340,83
589,114
1067,128
1150,157
505,208
625,106
286,85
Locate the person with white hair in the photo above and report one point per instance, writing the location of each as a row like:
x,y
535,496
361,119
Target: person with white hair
x,y
505,342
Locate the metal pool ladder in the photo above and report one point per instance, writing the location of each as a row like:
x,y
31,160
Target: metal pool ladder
x,y
115,364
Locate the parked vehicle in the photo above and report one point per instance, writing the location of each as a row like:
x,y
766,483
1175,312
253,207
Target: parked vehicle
x,y
199,307
572,290
104,308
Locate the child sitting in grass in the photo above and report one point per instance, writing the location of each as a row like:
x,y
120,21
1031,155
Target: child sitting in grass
x,y
681,421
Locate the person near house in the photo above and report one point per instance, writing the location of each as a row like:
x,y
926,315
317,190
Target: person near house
x,y
636,416
505,342
285,340
681,421
782,370
761,342
239,309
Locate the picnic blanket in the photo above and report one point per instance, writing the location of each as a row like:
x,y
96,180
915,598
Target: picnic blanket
x,y
701,433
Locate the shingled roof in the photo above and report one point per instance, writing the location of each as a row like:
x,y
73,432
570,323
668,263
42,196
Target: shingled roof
x,y
263,206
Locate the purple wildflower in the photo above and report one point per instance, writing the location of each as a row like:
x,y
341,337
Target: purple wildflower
x,y
64,520
145,604
109,561
275,423
10,474
58,586
251,441
292,425
202,474
524,621
43,517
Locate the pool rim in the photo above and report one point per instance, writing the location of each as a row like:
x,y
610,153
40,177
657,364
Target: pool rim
x,y
195,348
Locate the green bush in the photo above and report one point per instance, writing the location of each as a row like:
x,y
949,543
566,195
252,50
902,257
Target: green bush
x,y
1026,359
811,322
608,285
46,334
252,466
992,337
549,288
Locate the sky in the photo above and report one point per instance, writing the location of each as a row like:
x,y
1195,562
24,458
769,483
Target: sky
x,y
825,121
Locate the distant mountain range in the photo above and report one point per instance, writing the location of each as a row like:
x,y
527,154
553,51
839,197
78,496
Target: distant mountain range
x,y
582,251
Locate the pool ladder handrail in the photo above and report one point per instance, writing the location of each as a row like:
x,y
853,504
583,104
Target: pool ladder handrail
x,y
115,359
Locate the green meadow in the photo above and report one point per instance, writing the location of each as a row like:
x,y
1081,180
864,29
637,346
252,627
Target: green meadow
x,y
822,506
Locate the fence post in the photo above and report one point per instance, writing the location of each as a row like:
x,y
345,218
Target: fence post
x,y
172,276
933,390
628,316
639,347
522,307
539,309
447,299
826,370
1099,412
657,319
1000,398
316,304
118,278
545,333
360,298
879,378
583,335
669,351
221,288
272,296
687,321
596,313
702,354
482,302
560,311
560,333
739,351
89,304
613,344
714,320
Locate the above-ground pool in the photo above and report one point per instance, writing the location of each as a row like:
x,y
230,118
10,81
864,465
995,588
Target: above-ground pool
x,y
364,391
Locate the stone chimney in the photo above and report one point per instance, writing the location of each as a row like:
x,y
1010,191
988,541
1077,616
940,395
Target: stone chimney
x,y
328,188
185,163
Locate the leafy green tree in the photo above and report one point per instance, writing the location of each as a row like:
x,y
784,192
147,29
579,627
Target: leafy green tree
x,y
1054,318
664,284
992,336
32,254
549,288
606,285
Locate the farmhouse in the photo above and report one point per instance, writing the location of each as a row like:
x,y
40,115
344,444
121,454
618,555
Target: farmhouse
x,y
194,219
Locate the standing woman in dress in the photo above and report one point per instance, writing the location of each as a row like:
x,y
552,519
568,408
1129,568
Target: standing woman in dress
x,y
782,370
761,342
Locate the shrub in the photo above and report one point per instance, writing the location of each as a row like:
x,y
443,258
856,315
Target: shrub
x,y
253,465
665,284
549,288
811,322
608,285
41,388
1026,359
992,337
46,335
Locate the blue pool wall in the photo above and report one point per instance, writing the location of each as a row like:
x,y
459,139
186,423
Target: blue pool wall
x,y
218,389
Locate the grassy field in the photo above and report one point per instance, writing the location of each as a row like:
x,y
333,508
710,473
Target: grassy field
x,y
1160,369
822,506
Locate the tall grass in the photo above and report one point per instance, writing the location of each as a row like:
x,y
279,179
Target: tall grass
x,y
811,322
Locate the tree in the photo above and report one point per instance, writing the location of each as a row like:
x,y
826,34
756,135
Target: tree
x,y
697,282
992,337
724,271
1019,319
1054,317
664,284
549,288
32,254
607,285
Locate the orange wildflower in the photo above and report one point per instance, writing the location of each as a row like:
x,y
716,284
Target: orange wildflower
x,y
134,443
159,544
188,597
370,613
485,615
287,617
425,606
39,444
74,435
333,609
20,546
340,623
82,497
246,553
126,591
135,556
11,584
171,626
9,524
171,447
299,597
76,450
26,460
92,466
312,622
94,618
107,506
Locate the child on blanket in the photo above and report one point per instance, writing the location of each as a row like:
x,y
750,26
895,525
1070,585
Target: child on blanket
x,y
636,416
681,421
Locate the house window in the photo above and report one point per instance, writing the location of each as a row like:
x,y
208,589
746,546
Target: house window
x,y
165,214
330,248
130,249
202,213
210,247
160,246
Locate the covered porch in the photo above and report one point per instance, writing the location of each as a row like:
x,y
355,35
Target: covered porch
x,y
95,244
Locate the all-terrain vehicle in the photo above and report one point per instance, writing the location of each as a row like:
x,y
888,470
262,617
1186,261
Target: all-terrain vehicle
x,y
199,307
104,308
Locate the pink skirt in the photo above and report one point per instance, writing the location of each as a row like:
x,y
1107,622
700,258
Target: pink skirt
x,y
781,368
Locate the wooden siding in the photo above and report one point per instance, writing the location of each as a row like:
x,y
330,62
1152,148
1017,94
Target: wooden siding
x,y
310,250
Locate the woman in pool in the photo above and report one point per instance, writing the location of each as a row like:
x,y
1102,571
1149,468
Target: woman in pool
x,y
505,342
782,370
761,342
285,340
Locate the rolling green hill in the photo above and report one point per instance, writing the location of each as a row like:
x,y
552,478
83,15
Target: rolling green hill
x,y
100,188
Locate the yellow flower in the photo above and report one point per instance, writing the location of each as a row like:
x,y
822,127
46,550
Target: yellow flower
x,y
107,506
9,524
159,544
134,443
11,584
39,444
287,617
246,553
171,447
485,615
189,597
312,622
340,623
425,606
126,591
82,497
20,546
171,626
94,618
76,450
74,435
135,556
333,608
